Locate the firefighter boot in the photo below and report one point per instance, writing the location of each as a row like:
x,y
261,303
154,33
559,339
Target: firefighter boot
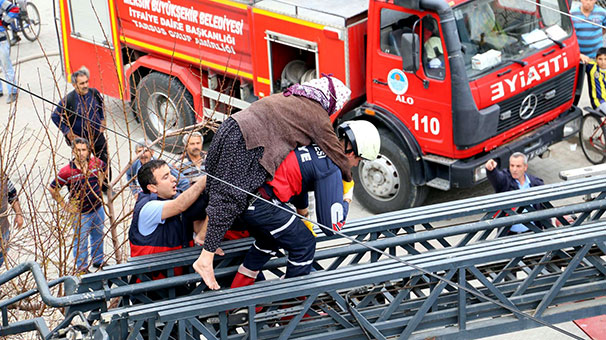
x,y
241,280
245,277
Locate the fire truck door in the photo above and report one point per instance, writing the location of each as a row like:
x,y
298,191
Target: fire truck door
x,y
89,38
421,100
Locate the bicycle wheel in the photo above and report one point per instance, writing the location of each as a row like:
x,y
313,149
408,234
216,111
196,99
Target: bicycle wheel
x,y
30,25
593,138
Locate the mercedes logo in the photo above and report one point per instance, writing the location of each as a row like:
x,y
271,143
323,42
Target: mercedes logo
x,y
529,104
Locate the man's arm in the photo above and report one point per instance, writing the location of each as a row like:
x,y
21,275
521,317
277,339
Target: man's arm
x,y
60,118
56,194
132,183
102,121
13,200
18,214
183,201
496,177
585,59
102,170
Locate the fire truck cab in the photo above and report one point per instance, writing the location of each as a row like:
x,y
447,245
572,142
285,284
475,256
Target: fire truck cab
x,y
449,84
455,84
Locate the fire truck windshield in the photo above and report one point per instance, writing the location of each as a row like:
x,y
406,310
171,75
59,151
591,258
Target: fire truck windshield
x,y
495,32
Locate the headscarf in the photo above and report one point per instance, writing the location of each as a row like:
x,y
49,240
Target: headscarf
x,y
329,91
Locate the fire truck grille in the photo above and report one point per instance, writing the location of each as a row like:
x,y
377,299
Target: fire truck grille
x,y
550,95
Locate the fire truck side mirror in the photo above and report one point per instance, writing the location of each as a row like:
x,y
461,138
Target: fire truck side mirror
x,y
409,50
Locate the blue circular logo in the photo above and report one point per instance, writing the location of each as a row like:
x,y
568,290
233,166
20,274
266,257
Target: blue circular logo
x,y
397,81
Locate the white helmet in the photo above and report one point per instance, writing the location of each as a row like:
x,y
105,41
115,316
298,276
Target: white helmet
x,y
363,137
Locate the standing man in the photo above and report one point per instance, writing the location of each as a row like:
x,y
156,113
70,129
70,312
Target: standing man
x,y
81,114
83,177
585,16
143,159
192,164
8,196
306,169
512,179
8,13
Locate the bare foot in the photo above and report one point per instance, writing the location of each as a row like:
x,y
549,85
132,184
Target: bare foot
x,y
204,267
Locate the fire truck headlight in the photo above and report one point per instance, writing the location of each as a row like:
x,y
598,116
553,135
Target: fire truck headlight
x,y
479,173
572,127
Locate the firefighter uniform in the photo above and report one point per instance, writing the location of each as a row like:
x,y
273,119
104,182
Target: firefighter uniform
x,y
171,234
304,169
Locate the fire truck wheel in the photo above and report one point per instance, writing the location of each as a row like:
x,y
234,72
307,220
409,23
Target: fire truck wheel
x,y
164,105
384,184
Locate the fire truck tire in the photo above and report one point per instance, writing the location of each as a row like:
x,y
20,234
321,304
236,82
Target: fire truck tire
x,y
164,105
593,138
384,184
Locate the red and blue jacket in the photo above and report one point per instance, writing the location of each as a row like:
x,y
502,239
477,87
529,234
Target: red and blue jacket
x,y
307,169
84,188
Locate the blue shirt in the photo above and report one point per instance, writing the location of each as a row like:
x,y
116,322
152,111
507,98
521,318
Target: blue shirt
x,y
520,228
589,36
150,217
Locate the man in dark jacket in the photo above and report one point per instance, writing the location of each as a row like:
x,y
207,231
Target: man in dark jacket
x,y
513,178
81,114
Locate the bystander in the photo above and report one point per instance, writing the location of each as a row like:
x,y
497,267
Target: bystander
x,y
192,164
83,177
514,178
587,18
597,80
8,13
144,157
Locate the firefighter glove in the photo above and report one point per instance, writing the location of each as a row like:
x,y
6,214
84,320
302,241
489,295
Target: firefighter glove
x,y
348,189
310,226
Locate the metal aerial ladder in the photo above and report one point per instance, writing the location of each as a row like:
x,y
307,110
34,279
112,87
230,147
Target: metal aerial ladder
x,y
446,278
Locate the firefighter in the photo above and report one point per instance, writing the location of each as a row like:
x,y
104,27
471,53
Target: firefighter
x,y
162,219
251,144
304,170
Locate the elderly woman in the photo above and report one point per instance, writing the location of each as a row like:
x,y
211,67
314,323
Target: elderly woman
x,y
249,146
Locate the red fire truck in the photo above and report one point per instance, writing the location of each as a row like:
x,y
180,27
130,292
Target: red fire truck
x,y
449,84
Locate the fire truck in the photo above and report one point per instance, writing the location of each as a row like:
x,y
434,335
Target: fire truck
x,y
449,84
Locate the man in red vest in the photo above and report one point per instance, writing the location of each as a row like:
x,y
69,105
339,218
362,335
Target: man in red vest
x,y
163,220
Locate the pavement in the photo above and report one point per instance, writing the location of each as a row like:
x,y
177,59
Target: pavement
x,y
38,147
